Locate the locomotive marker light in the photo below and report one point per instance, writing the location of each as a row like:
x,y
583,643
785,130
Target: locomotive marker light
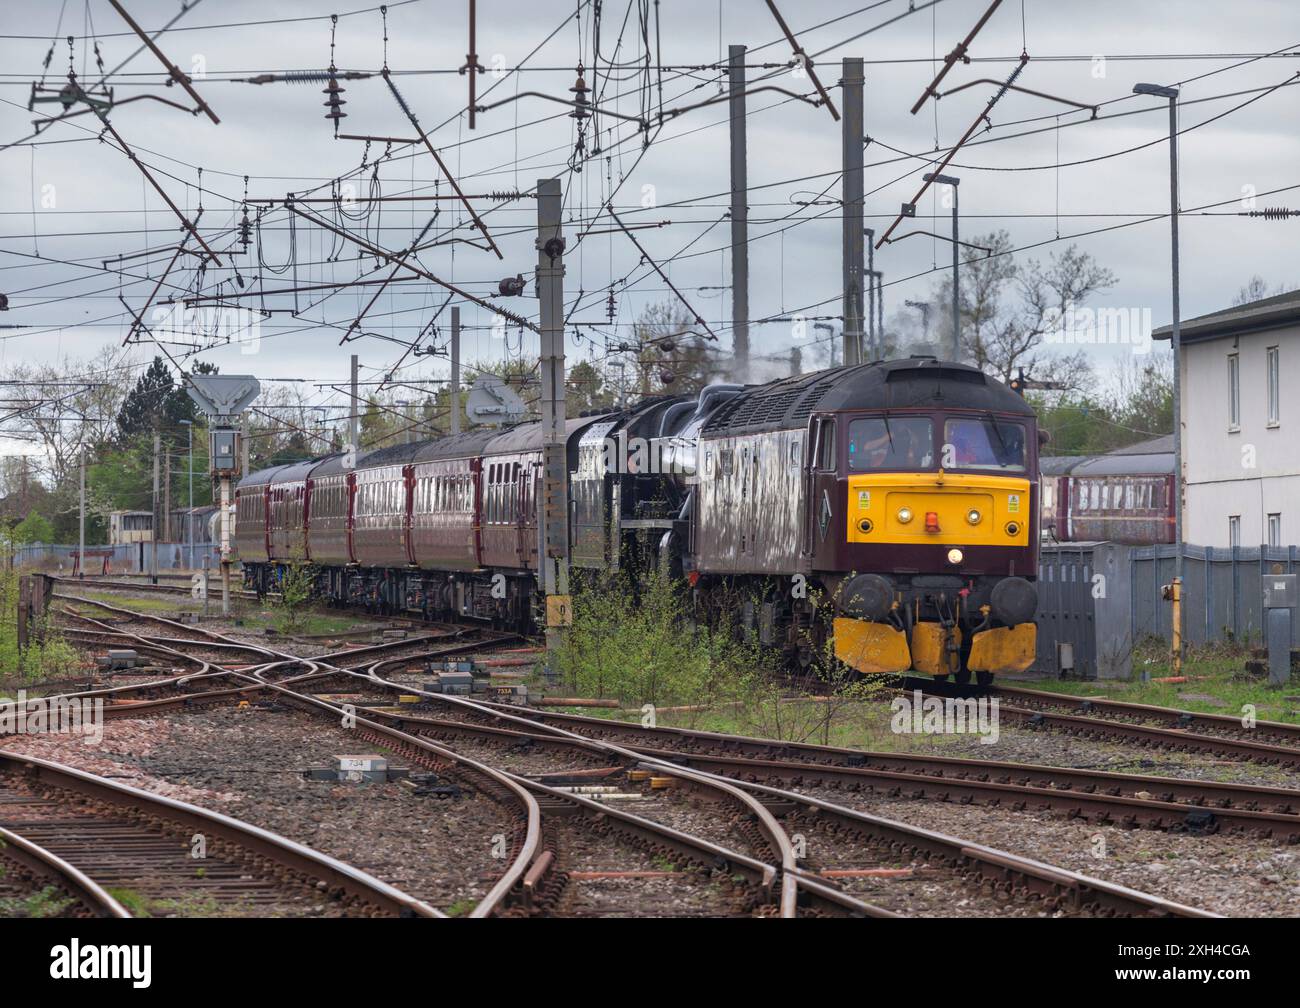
x,y
222,398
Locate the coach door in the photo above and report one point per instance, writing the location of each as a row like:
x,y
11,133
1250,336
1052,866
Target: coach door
x,y
525,546
820,487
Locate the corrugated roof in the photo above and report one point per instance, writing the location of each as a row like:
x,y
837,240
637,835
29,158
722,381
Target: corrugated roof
x,y
1153,456
1155,446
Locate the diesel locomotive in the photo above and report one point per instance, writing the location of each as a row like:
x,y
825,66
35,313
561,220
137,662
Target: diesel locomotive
x,y
887,512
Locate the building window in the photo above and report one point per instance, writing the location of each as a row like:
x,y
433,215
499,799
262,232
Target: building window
x,y
1234,530
1234,392
1275,530
1274,406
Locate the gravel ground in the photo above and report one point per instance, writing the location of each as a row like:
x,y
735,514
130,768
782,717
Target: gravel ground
x,y
677,808
1227,875
689,894
1048,748
929,891
248,766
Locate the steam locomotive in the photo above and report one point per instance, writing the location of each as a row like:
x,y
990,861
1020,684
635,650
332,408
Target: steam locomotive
x,y
887,512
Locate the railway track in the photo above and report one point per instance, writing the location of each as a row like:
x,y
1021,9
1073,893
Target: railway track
x,y
875,840
537,889
1058,891
1099,796
146,587
1090,720
1272,732
775,878
113,845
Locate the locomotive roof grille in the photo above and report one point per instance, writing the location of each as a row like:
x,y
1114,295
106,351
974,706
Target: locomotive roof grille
x,y
806,405
937,374
900,384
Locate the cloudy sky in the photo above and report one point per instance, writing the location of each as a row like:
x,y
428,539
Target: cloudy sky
x,y
70,204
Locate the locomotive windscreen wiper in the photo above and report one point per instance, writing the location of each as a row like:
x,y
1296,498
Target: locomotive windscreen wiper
x,y
1001,443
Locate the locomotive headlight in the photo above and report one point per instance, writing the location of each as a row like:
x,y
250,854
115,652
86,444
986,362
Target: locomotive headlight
x,y
954,556
973,516
904,515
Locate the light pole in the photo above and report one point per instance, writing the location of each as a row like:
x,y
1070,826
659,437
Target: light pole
x,y
924,308
830,329
953,181
189,518
1159,91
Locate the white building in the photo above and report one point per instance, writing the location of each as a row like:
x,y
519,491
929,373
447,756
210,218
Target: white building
x,y
1241,424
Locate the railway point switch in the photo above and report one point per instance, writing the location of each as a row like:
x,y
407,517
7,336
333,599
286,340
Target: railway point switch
x,y
455,683
358,769
117,660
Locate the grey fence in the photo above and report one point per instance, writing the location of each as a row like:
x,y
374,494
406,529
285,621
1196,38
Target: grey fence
x,y
1103,598
1223,594
128,558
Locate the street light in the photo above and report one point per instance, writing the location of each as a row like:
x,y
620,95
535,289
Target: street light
x,y
189,465
953,181
924,308
1175,343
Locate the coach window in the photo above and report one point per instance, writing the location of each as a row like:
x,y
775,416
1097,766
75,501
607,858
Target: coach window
x,y
1234,392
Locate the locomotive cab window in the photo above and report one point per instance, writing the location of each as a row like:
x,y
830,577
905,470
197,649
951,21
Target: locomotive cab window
x,y
890,443
979,443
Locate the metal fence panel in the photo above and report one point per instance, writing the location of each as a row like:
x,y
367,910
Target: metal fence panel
x,y
127,558
1223,596
1085,599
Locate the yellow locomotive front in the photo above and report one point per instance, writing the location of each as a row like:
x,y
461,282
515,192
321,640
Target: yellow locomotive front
x,y
936,554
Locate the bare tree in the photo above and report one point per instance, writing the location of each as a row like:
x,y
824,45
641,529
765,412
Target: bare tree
x,y
66,407
671,354
1008,307
1256,289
